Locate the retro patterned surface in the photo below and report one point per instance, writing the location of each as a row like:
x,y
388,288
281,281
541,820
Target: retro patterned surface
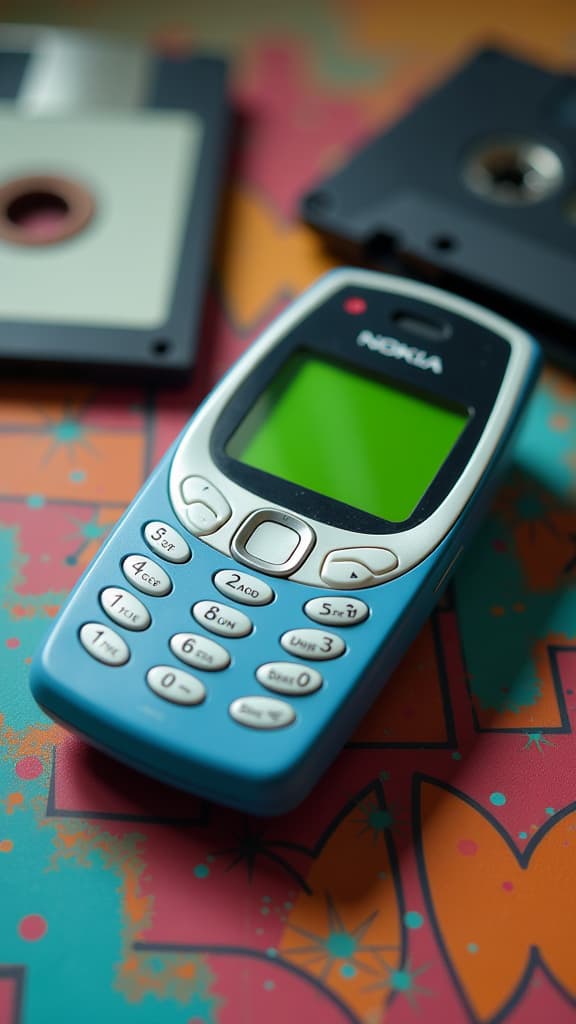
x,y
430,877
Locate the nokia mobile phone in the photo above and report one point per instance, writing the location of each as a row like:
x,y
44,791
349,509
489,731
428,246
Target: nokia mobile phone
x,y
252,601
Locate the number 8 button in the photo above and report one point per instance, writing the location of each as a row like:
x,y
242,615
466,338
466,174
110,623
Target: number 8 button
x,y
220,619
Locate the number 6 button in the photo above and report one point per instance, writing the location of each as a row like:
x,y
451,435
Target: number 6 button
x,y
199,652
313,644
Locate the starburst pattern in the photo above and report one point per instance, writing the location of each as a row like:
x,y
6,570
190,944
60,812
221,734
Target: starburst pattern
x,y
401,980
251,845
537,740
67,433
90,531
374,817
339,947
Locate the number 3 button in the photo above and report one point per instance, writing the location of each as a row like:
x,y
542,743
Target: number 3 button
x,y
313,644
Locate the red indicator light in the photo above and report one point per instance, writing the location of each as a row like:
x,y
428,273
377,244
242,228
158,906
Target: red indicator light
x,y
355,305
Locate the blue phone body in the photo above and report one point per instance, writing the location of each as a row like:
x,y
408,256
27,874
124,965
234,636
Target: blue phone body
x,y
201,748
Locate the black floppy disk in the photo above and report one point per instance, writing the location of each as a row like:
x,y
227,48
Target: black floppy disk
x,y
476,187
111,160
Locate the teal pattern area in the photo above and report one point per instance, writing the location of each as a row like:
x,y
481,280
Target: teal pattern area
x,y
517,579
23,623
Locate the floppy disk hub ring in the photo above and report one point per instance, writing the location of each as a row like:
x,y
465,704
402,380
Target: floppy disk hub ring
x,y
43,209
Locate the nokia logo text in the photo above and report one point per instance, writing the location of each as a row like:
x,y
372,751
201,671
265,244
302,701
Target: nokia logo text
x,y
398,350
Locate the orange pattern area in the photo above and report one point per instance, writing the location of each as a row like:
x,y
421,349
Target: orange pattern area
x,y
112,466
347,931
276,258
491,908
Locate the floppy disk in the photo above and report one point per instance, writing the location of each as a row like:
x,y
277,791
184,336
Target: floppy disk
x,y
110,164
476,187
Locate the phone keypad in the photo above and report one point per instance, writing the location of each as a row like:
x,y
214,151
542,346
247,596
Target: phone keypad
x,y
175,685
166,542
313,644
337,611
199,652
241,587
289,678
125,609
220,619
283,677
104,644
146,575
262,712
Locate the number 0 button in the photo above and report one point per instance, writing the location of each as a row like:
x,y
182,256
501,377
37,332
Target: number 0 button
x,y
288,677
146,575
220,619
175,685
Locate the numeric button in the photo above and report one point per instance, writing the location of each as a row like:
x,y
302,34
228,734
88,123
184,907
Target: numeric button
x,y
104,644
146,575
199,652
313,644
289,678
124,608
220,619
338,611
242,587
166,542
262,712
175,685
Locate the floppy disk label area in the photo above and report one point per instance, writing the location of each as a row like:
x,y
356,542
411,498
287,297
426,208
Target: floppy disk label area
x,y
110,170
138,167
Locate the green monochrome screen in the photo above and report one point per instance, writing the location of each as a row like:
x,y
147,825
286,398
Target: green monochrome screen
x,y
353,438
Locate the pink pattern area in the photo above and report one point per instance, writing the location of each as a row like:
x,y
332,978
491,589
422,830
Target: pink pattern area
x,y
276,993
86,783
10,993
58,538
296,130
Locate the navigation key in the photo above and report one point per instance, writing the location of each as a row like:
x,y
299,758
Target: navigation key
x,y
346,574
